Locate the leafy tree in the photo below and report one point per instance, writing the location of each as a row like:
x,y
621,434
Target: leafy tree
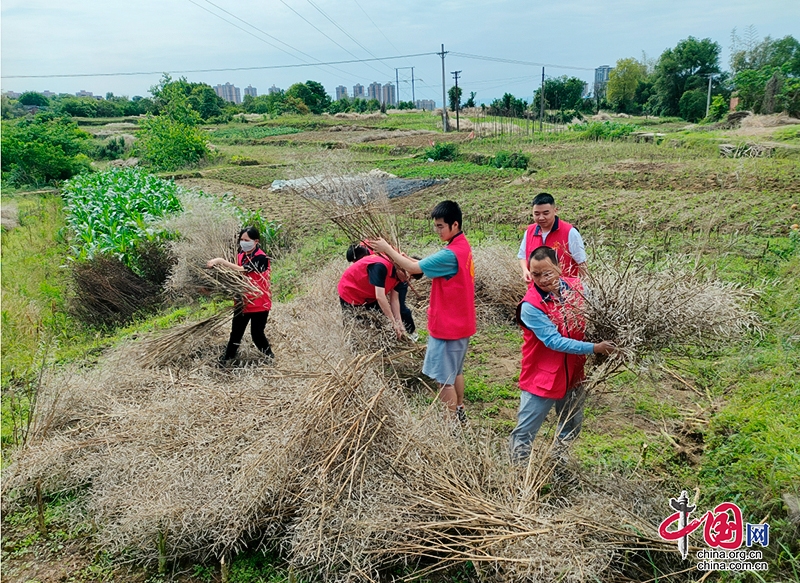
x,y
33,98
623,81
692,106
508,106
454,97
79,106
767,75
11,108
471,101
180,98
312,94
718,109
683,69
561,93
41,149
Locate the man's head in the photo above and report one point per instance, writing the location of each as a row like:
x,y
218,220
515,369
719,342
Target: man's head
x,y
544,268
544,211
447,219
356,252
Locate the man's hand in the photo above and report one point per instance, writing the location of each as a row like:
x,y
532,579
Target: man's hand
x,y
399,329
526,275
213,262
605,347
380,246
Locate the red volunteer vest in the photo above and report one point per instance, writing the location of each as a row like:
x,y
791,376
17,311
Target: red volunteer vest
x,y
354,286
545,372
259,301
451,314
558,239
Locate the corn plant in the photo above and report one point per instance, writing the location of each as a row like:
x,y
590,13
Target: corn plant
x,y
113,212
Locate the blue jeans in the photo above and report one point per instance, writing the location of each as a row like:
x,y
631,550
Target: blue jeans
x,y
532,412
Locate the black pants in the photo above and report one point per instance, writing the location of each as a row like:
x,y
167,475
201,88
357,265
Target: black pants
x,y
258,321
405,311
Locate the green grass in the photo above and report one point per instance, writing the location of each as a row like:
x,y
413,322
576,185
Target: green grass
x,y
420,168
245,133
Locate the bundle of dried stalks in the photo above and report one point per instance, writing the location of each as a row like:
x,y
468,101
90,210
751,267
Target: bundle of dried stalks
x,y
498,280
356,202
208,228
322,454
182,342
671,307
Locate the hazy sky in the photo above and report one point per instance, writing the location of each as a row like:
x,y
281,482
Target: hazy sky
x,y
49,37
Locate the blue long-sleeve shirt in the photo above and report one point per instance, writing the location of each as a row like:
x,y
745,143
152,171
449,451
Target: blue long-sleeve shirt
x,y
544,329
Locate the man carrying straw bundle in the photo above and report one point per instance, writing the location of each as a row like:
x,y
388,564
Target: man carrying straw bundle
x,y
553,354
451,315
549,229
371,282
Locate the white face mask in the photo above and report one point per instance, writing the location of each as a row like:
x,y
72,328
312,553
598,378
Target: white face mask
x,y
247,246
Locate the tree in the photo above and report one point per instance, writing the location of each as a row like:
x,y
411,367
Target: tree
x,y
192,102
767,75
623,82
454,97
508,106
471,101
312,94
168,144
33,98
561,93
692,105
682,69
40,149
79,106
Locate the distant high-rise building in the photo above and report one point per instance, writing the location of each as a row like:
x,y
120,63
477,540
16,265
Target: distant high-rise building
x,y
374,91
12,94
83,93
388,94
426,104
274,89
601,80
229,92
251,91
358,91
341,91
48,94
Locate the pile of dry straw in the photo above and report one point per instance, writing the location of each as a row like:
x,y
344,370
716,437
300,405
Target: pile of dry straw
x,y
322,454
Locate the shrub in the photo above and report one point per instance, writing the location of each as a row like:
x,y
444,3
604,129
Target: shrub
x,y
33,98
505,159
111,149
446,151
42,149
604,130
167,144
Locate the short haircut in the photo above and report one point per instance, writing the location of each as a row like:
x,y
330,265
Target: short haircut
x,y
542,253
356,252
543,198
252,232
448,211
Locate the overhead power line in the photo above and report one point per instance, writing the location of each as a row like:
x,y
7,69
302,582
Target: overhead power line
x,y
297,65
516,62
265,33
323,33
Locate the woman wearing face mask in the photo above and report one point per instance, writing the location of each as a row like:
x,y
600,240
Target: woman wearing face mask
x,y
254,307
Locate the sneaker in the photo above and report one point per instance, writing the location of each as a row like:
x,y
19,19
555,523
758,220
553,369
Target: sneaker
x,y
461,414
414,336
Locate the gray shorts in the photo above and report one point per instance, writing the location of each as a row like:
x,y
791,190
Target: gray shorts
x,y
444,359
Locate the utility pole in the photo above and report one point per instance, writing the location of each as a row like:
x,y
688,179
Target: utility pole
x,y
396,88
541,113
444,93
397,79
708,99
456,74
